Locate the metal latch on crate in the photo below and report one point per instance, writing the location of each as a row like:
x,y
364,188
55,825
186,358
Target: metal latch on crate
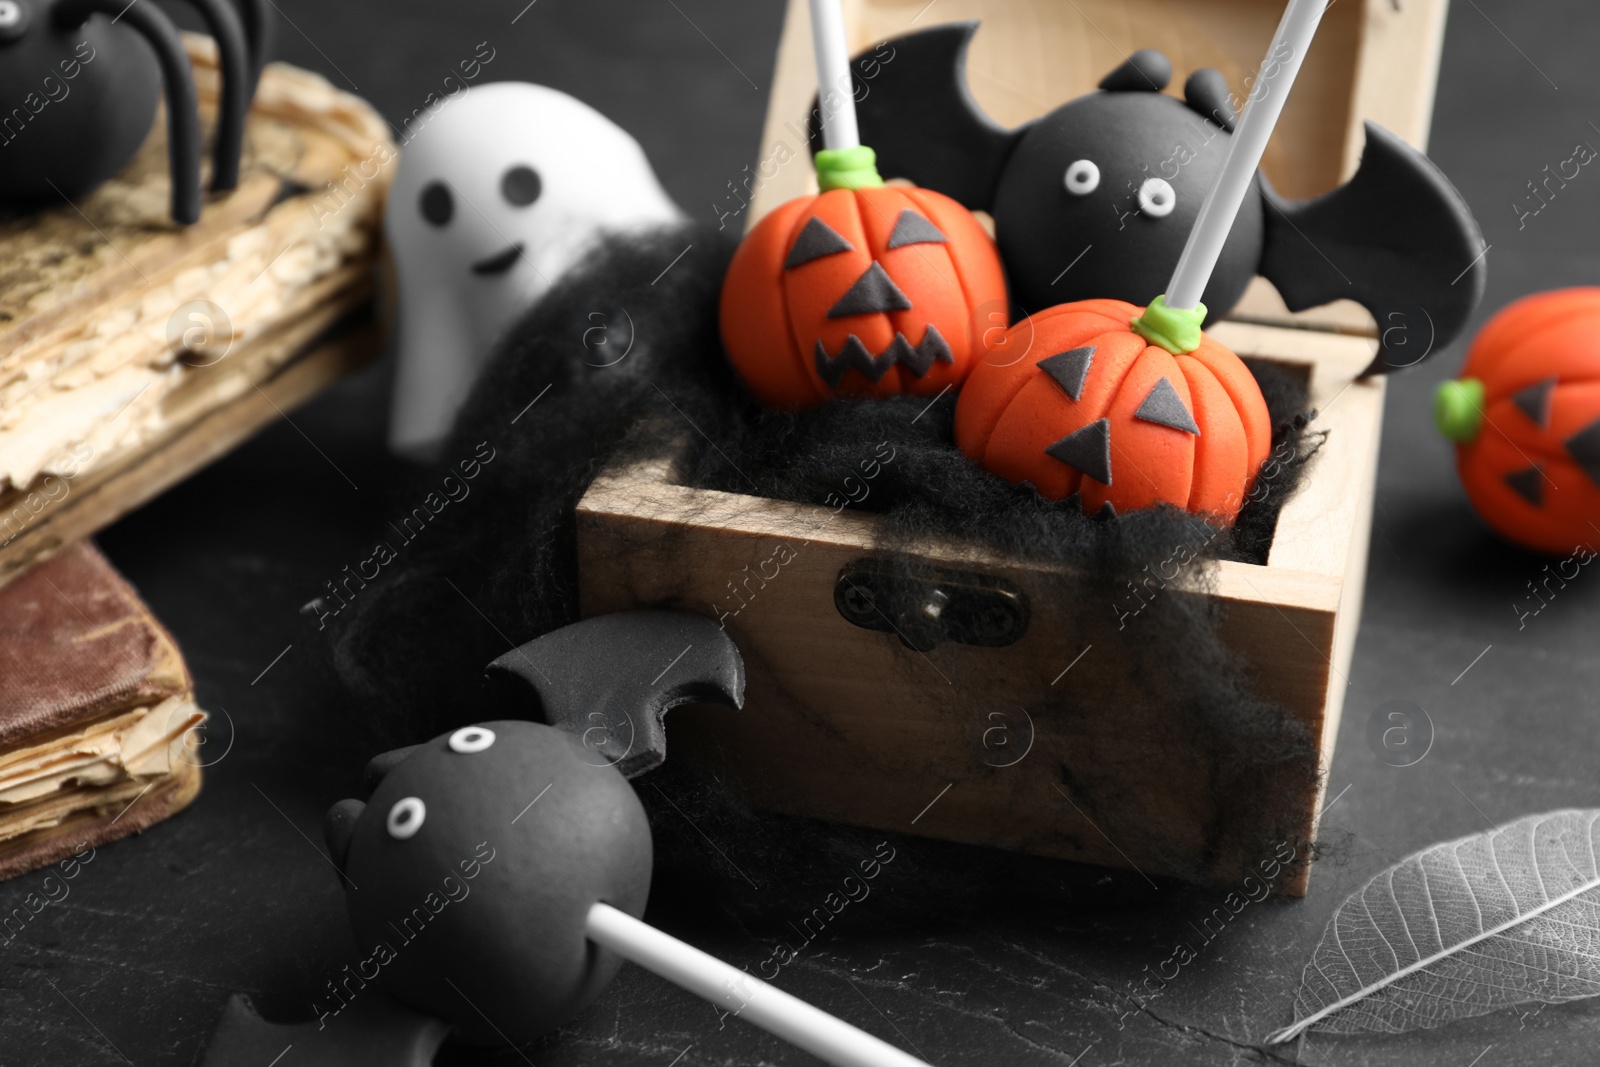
x,y
927,606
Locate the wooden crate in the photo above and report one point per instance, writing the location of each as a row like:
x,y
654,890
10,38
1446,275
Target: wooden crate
x,y
839,722
88,289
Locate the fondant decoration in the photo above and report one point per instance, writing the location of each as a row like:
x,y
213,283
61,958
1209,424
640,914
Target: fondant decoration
x,y
860,291
370,1029
496,197
863,289
610,680
555,853
50,49
531,829
471,739
1074,401
1138,407
1096,198
1525,416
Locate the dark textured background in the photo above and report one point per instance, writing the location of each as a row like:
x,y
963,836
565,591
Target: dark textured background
x,y
235,895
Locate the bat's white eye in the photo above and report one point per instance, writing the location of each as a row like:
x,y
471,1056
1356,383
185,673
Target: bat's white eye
x,y
1157,198
1082,177
405,818
470,739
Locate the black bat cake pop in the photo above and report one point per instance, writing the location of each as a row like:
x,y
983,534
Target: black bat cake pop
x,y
513,830
1096,198
497,872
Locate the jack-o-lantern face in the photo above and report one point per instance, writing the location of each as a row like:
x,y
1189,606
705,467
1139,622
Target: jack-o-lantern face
x,y
1073,401
872,291
1525,416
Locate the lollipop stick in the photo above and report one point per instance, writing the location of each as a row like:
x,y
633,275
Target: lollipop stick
x,y
744,995
1249,141
835,91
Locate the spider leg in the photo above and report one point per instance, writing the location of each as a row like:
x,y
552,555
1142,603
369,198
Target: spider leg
x,y
260,32
238,85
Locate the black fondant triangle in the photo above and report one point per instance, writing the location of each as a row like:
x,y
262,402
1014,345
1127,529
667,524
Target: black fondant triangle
x,y
1088,449
1534,401
1164,407
1584,448
874,291
818,239
1528,484
1069,369
1107,511
912,229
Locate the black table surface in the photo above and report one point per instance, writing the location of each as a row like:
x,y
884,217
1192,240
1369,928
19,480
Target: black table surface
x,y
236,893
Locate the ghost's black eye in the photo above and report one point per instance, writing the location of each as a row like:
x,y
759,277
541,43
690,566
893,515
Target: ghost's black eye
x,y
521,186
437,203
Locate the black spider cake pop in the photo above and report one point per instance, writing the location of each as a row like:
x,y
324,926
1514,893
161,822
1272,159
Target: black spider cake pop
x,y
1096,198
127,56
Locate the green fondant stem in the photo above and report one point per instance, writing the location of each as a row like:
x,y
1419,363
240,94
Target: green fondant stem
x,y
1175,329
1458,409
847,168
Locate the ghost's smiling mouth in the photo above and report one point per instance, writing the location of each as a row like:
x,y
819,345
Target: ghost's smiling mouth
x,y
500,262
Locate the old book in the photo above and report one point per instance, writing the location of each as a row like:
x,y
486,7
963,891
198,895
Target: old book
x,y
97,713
133,352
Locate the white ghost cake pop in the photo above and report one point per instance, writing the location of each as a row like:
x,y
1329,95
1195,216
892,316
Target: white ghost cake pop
x,y
495,198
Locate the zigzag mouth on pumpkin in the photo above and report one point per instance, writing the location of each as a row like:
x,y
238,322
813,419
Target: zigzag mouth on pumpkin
x,y
853,355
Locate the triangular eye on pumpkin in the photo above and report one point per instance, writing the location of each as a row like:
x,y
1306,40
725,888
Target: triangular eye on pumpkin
x,y
1069,369
1534,401
912,229
1525,417
817,239
1163,406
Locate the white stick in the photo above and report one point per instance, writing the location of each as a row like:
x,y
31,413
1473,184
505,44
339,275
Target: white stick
x,y
835,90
741,994
1249,141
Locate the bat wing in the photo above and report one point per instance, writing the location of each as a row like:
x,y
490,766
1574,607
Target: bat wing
x,y
1397,238
611,679
915,110
370,1029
